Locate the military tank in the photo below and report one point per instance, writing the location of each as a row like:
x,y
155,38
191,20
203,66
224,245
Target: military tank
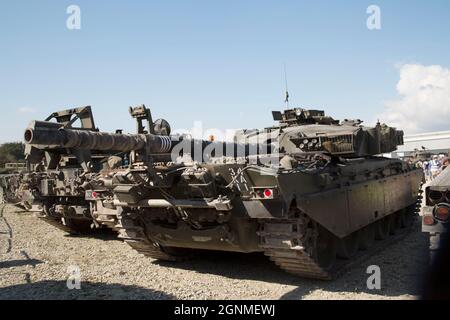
x,y
59,174
309,192
10,179
55,177
436,209
9,185
418,157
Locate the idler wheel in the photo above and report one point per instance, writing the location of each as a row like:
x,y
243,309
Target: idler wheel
x,y
382,229
348,246
366,237
326,248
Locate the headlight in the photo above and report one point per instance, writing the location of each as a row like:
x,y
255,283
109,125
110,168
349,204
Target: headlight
x,y
441,212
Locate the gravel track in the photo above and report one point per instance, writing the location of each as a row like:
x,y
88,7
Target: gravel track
x,y
34,258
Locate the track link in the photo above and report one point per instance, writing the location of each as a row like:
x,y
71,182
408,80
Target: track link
x,y
290,245
132,231
285,243
74,229
69,225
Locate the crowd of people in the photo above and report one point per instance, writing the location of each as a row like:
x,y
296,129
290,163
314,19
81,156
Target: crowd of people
x,y
434,166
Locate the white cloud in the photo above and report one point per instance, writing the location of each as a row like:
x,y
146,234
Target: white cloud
x,y
425,100
26,110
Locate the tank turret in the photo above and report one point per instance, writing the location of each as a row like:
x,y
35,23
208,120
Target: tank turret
x,y
311,131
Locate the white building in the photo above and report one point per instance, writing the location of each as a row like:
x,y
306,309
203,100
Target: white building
x,y
435,142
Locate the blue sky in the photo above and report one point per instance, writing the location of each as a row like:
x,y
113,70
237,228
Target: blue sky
x,y
220,62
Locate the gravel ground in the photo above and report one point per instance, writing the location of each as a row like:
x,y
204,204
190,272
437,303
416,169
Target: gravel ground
x,y
34,258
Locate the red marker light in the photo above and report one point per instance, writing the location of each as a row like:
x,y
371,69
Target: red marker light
x,y
94,194
428,220
268,193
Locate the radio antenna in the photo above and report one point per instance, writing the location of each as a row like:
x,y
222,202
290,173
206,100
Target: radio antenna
x,y
286,99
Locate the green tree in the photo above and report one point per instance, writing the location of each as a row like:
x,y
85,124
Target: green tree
x,y
11,152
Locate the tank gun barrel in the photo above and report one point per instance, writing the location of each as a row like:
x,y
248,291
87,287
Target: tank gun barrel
x,y
45,135
52,135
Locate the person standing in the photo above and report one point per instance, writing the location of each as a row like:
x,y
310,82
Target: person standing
x,y
426,170
435,166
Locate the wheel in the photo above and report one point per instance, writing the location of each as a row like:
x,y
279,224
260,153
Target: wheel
x,y
326,249
410,216
348,246
402,219
180,254
46,209
382,229
366,237
132,229
393,224
77,226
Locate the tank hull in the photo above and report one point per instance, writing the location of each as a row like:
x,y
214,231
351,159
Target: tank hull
x,y
340,209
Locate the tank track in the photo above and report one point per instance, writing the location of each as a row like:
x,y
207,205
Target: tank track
x,y
289,245
2,196
55,222
132,232
66,226
283,243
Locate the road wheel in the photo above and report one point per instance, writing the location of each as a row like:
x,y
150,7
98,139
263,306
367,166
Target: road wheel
x,y
366,237
393,223
78,226
326,248
381,229
402,219
348,246
410,216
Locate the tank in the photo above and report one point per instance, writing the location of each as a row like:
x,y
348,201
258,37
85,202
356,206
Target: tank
x,y
9,186
310,192
419,156
64,161
56,174
10,180
314,194
435,212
